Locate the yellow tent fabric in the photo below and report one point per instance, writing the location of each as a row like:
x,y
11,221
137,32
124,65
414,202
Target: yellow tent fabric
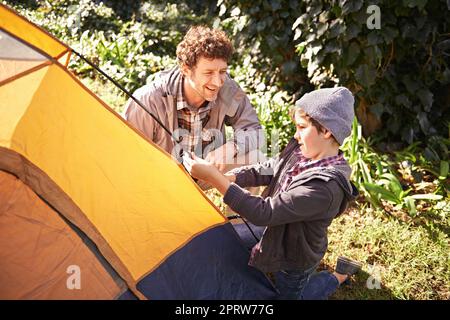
x,y
64,130
33,35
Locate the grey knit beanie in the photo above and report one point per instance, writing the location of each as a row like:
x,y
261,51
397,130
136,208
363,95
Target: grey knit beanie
x,y
332,108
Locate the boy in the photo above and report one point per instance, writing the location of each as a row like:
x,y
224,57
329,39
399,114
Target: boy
x,y
308,186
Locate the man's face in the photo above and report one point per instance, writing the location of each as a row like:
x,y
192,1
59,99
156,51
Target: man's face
x,y
312,142
206,77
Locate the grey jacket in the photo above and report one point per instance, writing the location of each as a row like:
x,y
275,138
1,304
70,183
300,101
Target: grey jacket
x,y
296,219
232,107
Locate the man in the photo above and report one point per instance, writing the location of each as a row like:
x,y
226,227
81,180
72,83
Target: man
x,y
195,100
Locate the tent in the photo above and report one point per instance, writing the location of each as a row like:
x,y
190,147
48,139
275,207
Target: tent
x,y
91,209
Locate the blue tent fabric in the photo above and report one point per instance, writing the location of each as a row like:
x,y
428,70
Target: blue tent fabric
x,y
127,295
212,266
247,237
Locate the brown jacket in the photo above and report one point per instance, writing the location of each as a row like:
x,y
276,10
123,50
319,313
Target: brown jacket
x,y
232,107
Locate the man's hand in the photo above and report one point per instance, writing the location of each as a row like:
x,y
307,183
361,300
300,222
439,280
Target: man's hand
x,y
222,156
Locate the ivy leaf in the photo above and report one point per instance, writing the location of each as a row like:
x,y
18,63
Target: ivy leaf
x,y
289,67
275,4
235,12
314,9
377,109
373,38
403,100
415,3
321,29
260,26
299,49
410,85
424,122
297,34
332,46
352,30
389,34
336,28
426,97
352,53
352,6
293,4
408,134
300,21
365,75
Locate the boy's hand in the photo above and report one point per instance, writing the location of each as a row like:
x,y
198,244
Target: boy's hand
x,y
199,168
203,170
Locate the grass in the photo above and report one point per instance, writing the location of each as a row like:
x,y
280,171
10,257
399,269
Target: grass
x,y
410,259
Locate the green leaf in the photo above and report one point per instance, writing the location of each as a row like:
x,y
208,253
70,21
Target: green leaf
x,y
322,27
428,196
352,53
365,75
261,25
352,31
389,34
300,49
297,34
352,6
424,122
443,169
411,205
377,109
302,20
415,3
314,9
426,97
374,38
275,4
365,171
393,183
403,100
337,27
410,84
383,193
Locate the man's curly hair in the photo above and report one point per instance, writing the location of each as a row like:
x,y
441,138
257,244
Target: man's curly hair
x,y
201,41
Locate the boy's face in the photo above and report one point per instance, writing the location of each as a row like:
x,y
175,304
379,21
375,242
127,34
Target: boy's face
x,y
207,77
312,143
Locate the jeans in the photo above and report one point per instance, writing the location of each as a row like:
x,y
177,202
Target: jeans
x,y
305,285
294,284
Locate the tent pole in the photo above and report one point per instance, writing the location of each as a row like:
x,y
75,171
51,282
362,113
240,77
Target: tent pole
x,y
151,114
128,94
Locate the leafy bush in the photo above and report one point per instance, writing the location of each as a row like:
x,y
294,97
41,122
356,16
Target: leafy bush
x,y
262,33
397,182
129,41
400,72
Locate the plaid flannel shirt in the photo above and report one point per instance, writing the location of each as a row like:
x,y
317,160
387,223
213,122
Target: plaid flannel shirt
x,y
193,120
